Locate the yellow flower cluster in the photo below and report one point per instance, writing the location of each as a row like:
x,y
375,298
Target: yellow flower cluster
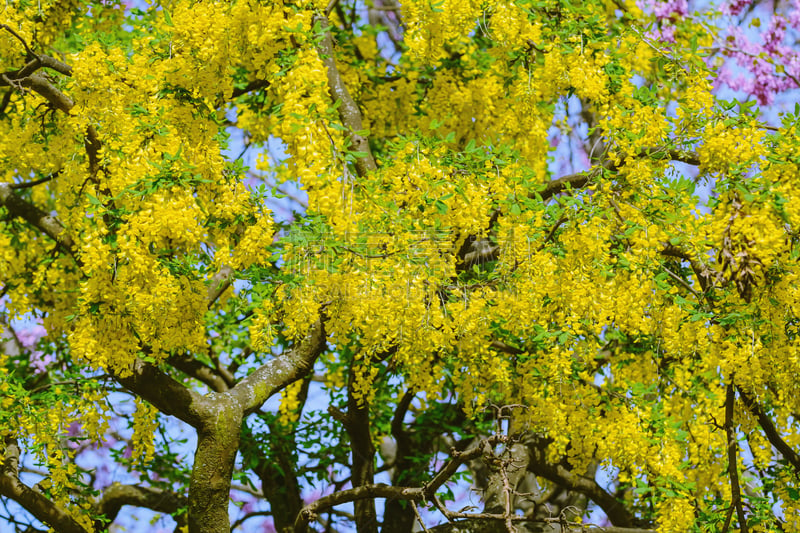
x,y
510,26
289,408
145,424
587,77
432,25
724,147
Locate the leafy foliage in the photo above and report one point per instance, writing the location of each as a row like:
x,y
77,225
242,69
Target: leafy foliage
x,y
284,259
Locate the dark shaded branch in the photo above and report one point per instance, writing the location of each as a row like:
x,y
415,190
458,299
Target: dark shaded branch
x,y
481,251
277,472
769,429
474,525
733,470
252,86
400,411
115,496
580,179
47,224
32,501
508,471
705,275
570,181
672,154
277,468
398,517
349,113
379,490
196,369
616,512
28,184
364,492
362,469
10,30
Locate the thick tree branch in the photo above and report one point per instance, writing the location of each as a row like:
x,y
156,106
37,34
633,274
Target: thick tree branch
x,y
117,495
399,517
255,389
210,482
167,395
364,492
474,525
349,113
277,472
581,179
40,85
38,505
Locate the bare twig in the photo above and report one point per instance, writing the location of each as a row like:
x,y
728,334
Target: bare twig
x,y
28,184
419,518
19,38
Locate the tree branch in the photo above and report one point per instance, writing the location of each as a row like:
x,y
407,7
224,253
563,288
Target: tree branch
x,y
219,283
196,369
32,501
364,492
769,429
117,495
615,511
380,490
349,113
473,525
705,276
47,224
733,470
252,86
167,395
362,469
271,377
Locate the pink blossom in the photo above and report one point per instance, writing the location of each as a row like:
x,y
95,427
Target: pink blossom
x,y
774,37
30,336
39,362
668,33
794,15
670,9
734,7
